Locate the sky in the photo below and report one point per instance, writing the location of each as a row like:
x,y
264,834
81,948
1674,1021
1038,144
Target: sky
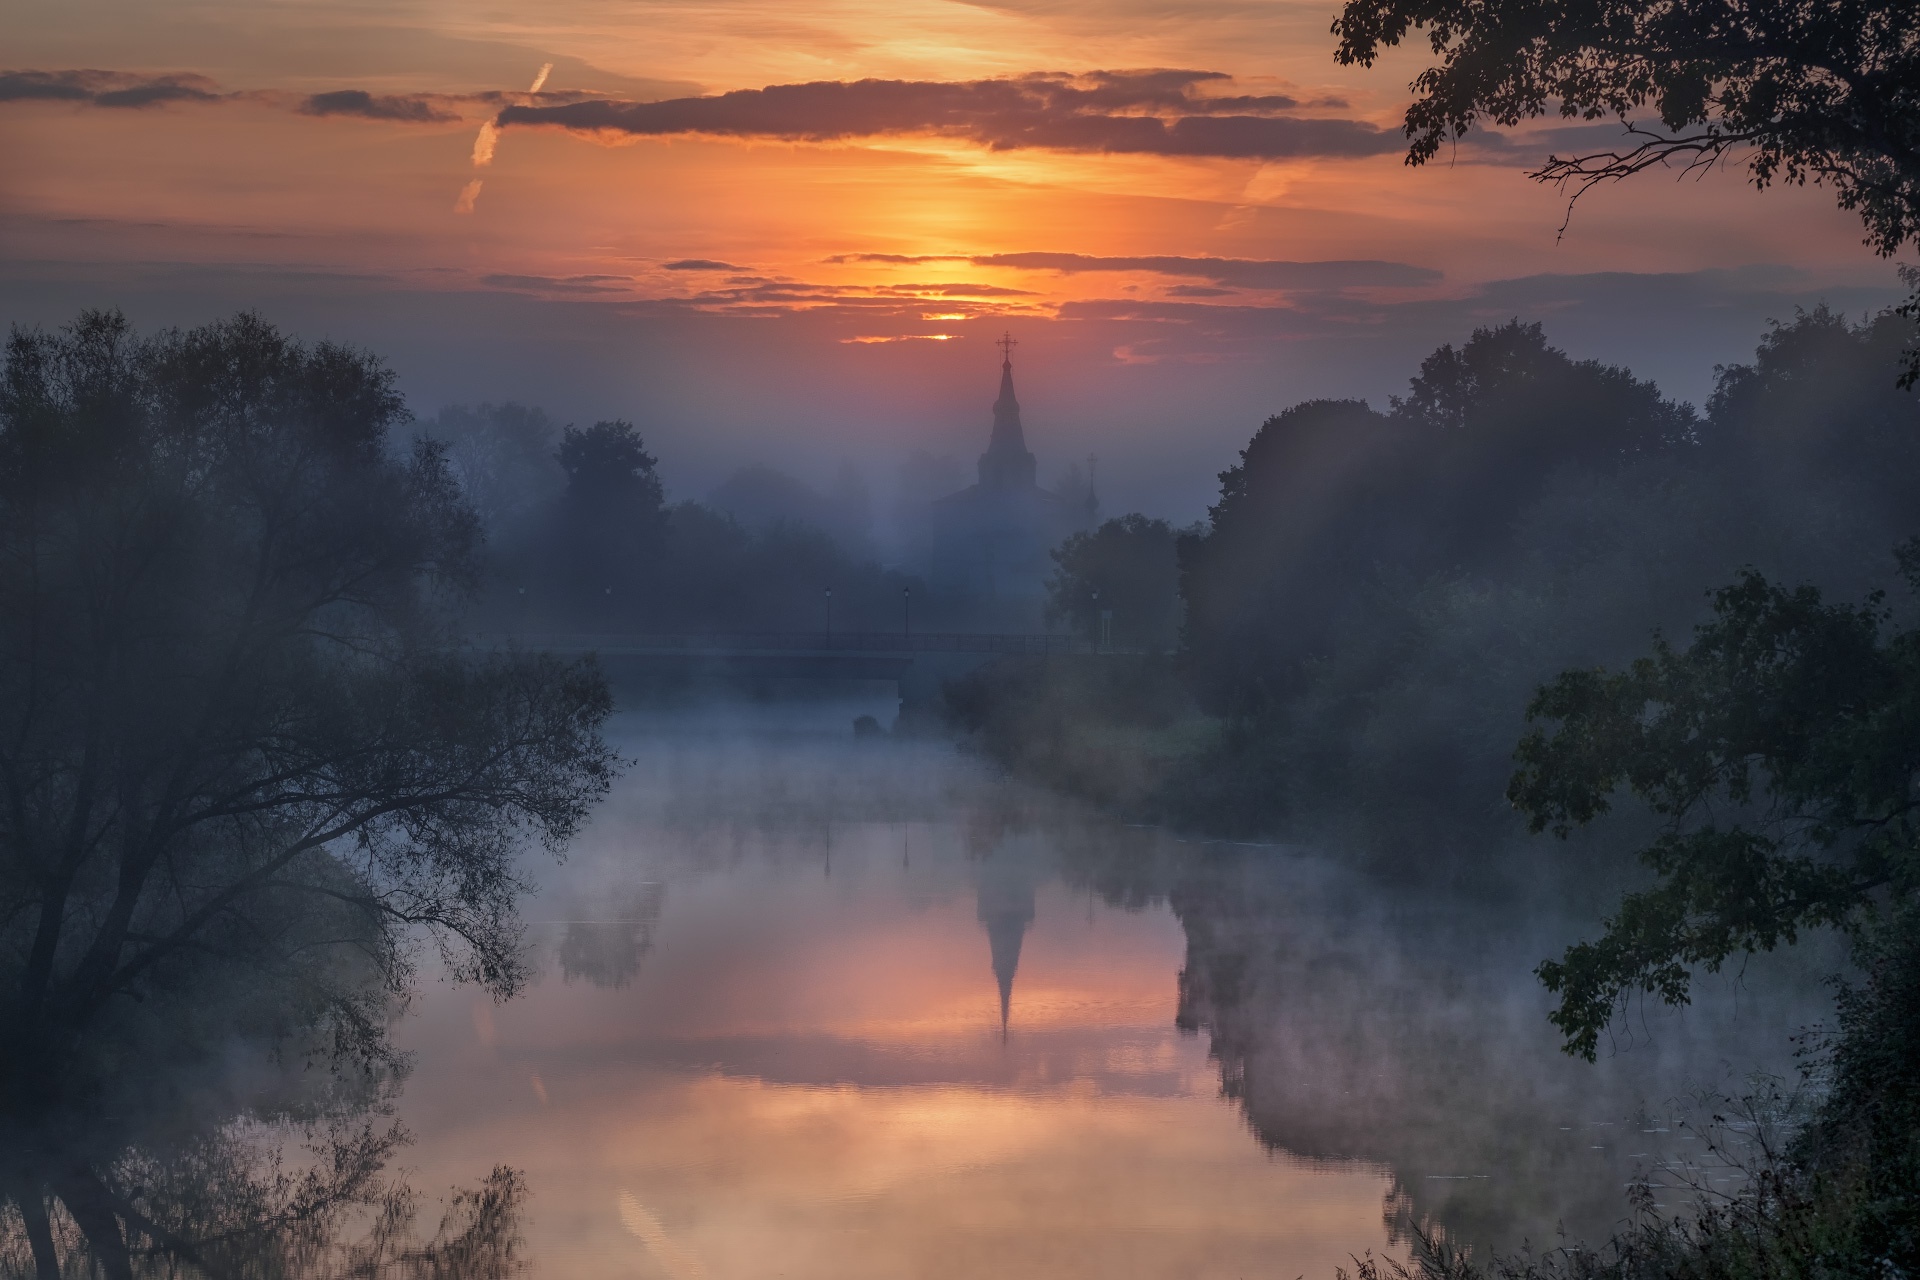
x,y
790,233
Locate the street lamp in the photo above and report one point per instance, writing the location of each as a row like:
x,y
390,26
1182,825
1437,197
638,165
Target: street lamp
x,y
829,617
906,612
1096,619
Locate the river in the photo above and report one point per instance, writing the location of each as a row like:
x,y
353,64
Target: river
x,y
816,1006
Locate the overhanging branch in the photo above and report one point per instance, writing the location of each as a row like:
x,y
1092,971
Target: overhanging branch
x,y
1695,152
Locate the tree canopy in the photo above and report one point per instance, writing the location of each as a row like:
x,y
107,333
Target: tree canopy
x,y
243,765
1780,750
1127,569
1807,90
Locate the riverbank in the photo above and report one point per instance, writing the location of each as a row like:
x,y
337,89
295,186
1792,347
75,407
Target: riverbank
x,y
1126,734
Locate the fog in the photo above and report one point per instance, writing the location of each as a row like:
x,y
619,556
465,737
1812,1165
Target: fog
x,y
523,859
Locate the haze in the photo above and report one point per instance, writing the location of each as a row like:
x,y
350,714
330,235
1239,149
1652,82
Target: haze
x,y
816,277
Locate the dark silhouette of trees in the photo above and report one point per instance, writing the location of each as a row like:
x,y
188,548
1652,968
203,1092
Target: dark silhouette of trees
x,y
609,469
761,497
1331,496
607,529
1780,750
243,766
1126,568
501,455
1820,90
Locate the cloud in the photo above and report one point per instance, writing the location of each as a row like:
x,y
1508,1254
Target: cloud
x,y
1247,273
902,259
1252,273
699,264
1131,112
106,88
955,289
561,284
411,108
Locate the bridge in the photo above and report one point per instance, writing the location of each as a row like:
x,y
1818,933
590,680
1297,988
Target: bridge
x,y
832,643
916,661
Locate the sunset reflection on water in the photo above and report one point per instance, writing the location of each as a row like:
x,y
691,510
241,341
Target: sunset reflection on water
x,y
808,1075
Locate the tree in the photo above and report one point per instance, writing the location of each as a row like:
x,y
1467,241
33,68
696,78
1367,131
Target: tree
x,y
503,457
1821,90
244,768
1781,749
1331,500
608,466
604,540
1126,567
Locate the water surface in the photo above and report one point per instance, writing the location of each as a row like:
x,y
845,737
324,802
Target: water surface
x,y
819,1007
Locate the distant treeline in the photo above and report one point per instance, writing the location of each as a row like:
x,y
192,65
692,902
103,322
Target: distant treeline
x,y
581,537
1376,595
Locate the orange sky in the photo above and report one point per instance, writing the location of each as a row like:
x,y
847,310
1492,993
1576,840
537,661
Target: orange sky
x,y
557,283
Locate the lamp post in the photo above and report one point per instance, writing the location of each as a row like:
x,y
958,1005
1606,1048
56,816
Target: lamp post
x,y
906,612
1096,619
829,617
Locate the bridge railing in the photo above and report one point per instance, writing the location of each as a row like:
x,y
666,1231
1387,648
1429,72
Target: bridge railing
x,y
1034,643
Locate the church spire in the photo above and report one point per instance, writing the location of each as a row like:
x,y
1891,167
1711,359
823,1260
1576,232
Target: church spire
x,y
1006,464
1005,907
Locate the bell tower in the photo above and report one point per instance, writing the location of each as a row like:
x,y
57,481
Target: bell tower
x,y
1007,465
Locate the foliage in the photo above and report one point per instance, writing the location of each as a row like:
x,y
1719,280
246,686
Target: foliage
x,y
1807,89
1101,726
1125,568
607,553
1838,1198
501,456
1376,596
760,496
611,517
224,1205
245,767
1779,748
1329,494
609,468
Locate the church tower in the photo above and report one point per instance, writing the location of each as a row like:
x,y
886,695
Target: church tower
x,y
1007,465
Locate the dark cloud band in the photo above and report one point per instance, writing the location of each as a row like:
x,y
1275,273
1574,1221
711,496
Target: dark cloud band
x,y
410,108
105,88
1244,273
1139,113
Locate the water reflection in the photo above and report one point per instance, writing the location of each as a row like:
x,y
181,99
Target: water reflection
x,y
900,1017
227,1196
607,952
1005,897
819,1006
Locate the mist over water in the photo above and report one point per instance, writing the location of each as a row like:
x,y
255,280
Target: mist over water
x,y
767,1035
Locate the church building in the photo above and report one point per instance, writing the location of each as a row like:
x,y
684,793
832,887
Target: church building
x,y
989,543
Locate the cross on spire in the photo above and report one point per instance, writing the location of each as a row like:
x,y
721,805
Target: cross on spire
x,y
1006,342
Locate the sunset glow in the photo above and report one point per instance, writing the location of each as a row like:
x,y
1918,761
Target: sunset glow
x,y
740,184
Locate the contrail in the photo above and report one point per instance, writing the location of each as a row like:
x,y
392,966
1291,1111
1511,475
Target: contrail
x,y
678,1262
484,144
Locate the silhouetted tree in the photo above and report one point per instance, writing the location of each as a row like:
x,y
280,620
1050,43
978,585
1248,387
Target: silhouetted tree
x,y
604,543
1127,567
1780,749
244,767
1807,89
502,456
1331,498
